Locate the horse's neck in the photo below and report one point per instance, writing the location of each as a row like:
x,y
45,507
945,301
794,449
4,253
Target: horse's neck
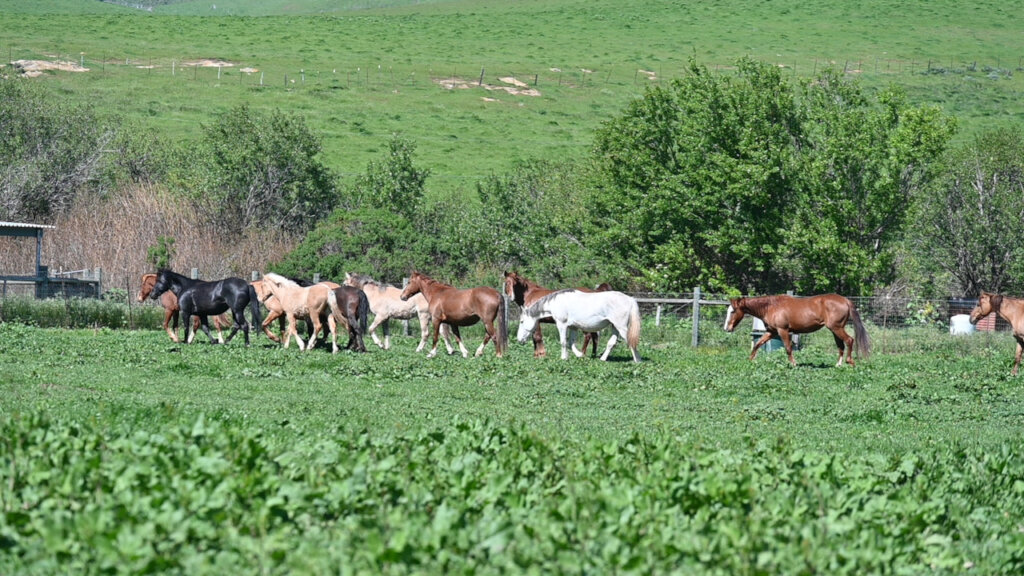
x,y
1011,309
758,306
431,287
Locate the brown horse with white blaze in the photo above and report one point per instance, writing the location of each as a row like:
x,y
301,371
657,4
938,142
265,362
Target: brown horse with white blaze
x,y
172,311
784,315
455,307
1009,309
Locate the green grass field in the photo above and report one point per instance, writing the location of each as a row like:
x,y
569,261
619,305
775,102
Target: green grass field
x,y
360,75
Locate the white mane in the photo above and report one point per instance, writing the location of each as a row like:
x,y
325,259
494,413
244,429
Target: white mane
x,y
279,280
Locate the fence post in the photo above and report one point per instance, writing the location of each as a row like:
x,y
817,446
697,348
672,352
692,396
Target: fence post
x,y
657,315
195,273
255,275
98,275
316,278
696,315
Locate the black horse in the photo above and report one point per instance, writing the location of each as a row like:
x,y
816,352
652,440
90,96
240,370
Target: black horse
x,y
204,299
350,306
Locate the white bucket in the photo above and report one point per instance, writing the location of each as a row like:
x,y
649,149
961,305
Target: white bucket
x,y
961,324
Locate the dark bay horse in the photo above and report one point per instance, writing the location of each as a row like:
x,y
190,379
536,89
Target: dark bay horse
x,y
1011,310
784,315
454,307
203,299
350,306
172,311
525,292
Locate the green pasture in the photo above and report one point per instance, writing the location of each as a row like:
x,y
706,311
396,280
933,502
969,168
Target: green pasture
x,y
359,72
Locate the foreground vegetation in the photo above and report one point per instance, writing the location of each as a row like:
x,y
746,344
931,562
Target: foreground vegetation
x,y
126,453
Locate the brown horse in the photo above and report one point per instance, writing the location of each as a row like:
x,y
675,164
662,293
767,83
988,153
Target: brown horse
x,y
350,307
525,292
454,307
1011,310
172,311
784,315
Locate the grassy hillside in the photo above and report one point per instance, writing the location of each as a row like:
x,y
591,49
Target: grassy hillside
x,y
358,76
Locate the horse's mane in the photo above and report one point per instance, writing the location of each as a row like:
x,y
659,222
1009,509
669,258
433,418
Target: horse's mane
x,y
364,279
757,305
533,309
278,279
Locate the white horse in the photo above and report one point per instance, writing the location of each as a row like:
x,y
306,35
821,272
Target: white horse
x,y
590,312
385,303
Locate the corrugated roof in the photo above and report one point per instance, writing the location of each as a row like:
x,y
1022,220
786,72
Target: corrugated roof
x,y
24,225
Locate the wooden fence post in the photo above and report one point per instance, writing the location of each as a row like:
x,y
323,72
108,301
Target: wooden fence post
x,y
255,275
696,316
657,315
195,273
97,275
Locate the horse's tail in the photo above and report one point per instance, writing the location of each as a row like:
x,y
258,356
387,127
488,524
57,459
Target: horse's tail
x,y
332,303
254,303
501,338
633,330
862,342
364,311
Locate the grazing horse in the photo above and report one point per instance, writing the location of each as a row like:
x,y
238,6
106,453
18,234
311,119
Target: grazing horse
x,y
784,315
588,311
203,299
525,292
454,307
386,303
300,302
172,311
1011,310
349,306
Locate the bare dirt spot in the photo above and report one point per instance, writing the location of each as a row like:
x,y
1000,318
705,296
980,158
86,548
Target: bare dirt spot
x,y
516,89
33,68
208,63
648,74
248,70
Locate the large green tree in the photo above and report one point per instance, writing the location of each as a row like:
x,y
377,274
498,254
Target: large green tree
x,y
970,223
743,182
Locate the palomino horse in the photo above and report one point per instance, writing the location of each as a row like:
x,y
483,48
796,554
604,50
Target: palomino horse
x,y
449,305
587,311
525,292
276,312
203,299
386,303
349,306
171,310
1011,310
300,302
784,315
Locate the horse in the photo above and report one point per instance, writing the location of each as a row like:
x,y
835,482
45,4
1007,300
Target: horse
x,y
1011,310
588,311
386,303
300,302
349,306
784,315
525,292
172,311
449,305
276,312
205,299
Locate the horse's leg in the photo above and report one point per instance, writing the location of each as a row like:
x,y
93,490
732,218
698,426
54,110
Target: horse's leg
x,y
538,342
289,329
187,325
842,338
1020,350
458,338
314,319
572,343
332,324
168,317
433,349
378,320
760,342
271,316
218,324
204,323
612,339
446,335
488,336
788,343
590,338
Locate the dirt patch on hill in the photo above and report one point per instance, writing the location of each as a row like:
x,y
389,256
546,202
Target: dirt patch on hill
x,y
208,63
33,68
514,87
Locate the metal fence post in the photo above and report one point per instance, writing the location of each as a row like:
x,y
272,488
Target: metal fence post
x,y
255,275
195,273
696,315
316,278
657,315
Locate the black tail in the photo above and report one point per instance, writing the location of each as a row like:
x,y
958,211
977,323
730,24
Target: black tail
x,y
254,303
364,311
501,338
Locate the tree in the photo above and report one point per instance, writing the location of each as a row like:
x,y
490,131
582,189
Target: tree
x,y
392,184
265,171
971,221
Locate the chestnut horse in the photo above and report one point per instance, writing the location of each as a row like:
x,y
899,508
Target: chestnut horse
x,y
784,315
525,292
172,311
454,307
386,303
1011,310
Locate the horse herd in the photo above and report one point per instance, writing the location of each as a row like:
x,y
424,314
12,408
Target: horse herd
x,y
442,309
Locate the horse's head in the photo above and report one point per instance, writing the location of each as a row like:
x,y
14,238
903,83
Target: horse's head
x,y
734,315
603,287
350,280
148,280
987,304
164,281
515,287
414,287
261,290
527,323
